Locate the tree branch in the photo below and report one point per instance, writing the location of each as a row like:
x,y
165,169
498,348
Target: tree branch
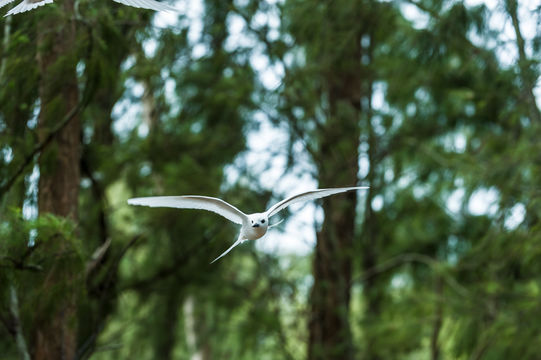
x,y
39,148
526,73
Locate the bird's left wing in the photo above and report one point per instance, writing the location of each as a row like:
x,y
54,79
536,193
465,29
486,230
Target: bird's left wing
x,y
215,205
5,2
148,4
309,195
25,5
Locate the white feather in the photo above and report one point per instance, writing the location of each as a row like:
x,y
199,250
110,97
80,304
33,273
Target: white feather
x,y
215,205
5,2
238,242
148,4
26,6
309,195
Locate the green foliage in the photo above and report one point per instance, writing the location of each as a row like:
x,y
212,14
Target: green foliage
x,y
442,119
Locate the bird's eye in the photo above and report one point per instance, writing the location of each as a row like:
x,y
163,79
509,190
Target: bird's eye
x,y
263,221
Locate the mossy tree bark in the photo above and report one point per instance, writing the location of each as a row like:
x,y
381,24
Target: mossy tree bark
x,y
54,334
337,162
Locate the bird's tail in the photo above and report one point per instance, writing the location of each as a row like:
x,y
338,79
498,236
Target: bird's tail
x,y
278,223
240,240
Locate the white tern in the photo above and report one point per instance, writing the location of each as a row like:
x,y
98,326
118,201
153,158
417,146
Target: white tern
x,y
254,225
27,5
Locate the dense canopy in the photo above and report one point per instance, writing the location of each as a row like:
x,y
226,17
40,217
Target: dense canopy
x,y
433,104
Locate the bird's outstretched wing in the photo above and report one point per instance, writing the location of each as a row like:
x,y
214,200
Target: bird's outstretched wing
x,y
148,4
309,195
24,5
5,2
215,205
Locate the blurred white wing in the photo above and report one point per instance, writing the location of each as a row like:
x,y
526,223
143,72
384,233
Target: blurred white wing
x,y
147,4
215,205
26,5
5,2
309,195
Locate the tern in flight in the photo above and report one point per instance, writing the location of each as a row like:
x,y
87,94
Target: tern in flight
x,y
254,225
27,5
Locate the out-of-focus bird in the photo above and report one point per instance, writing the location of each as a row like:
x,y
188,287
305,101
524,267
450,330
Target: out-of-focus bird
x,y
27,5
254,225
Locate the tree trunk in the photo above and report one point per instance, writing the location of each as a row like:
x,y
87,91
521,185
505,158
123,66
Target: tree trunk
x,y
338,165
329,331
55,330
199,348
438,319
168,316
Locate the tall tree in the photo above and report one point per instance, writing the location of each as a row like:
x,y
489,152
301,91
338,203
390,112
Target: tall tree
x,y
329,89
54,333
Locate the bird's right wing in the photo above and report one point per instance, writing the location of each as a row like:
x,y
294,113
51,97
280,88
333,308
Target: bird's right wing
x,y
148,4
215,205
309,195
25,5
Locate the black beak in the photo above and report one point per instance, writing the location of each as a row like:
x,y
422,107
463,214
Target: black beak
x,y
255,225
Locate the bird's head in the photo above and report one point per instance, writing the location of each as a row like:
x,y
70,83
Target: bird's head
x,y
258,220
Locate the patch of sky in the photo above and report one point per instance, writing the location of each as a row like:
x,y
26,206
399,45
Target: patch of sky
x,y
196,127
411,109
32,123
85,183
406,180
377,203
420,191
422,95
418,18
388,175
379,89
30,203
128,63
515,217
145,170
80,69
364,166
142,130
455,200
270,75
7,154
167,19
195,13
469,109
452,249
377,125
500,23
127,111
149,47
455,142
400,281
88,131
484,202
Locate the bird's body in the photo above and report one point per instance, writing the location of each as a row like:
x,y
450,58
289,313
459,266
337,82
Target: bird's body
x,y
27,5
254,226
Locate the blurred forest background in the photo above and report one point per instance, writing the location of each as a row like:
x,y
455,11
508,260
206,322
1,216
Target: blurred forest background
x,y
432,103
